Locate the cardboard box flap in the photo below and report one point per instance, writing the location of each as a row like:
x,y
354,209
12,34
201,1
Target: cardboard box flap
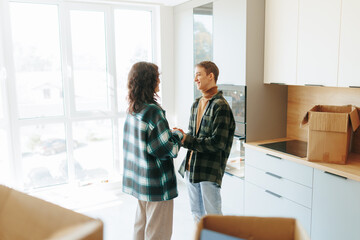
x,y
4,195
326,116
249,227
26,217
89,230
300,232
354,118
329,122
306,117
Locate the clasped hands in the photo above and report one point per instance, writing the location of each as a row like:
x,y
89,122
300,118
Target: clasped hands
x,y
179,129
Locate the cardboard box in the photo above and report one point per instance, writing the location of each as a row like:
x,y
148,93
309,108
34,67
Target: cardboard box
x,y
330,132
254,228
26,217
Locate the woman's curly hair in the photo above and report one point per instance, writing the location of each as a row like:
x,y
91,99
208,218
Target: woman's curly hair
x,y
142,82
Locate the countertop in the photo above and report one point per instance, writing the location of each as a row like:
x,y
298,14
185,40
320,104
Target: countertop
x,y
350,170
236,167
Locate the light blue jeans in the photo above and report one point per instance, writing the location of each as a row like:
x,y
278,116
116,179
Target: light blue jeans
x,y
204,198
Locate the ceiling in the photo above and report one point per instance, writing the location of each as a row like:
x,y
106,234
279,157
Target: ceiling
x,y
164,2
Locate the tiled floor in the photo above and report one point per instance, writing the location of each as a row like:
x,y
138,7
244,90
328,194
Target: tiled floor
x,y
118,216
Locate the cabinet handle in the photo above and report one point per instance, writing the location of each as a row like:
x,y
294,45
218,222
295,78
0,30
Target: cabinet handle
x,y
230,174
354,86
277,83
273,175
333,174
274,194
313,85
273,156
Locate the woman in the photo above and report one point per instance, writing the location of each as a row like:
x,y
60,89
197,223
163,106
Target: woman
x,y
149,149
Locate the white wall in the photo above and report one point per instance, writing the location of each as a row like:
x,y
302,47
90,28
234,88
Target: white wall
x,y
183,69
166,62
266,104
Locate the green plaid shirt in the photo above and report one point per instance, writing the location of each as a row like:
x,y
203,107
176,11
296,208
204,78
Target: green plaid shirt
x,y
212,144
149,148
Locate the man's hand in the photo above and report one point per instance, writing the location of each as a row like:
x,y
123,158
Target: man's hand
x,y
179,129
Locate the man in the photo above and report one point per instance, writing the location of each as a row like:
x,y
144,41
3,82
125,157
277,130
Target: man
x,y
149,148
209,140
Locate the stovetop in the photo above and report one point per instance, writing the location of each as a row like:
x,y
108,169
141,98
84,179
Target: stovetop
x,y
293,147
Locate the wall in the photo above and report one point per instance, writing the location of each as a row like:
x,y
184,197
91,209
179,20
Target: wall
x,y
266,104
301,99
166,62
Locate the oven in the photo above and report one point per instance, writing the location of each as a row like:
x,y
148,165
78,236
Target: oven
x,y
235,95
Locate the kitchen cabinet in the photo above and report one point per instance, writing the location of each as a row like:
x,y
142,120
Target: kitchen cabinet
x,y
232,191
349,61
277,187
229,40
265,203
336,208
318,42
302,42
281,21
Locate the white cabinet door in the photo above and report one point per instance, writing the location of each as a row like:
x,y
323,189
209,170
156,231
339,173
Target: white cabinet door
x,y
349,60
281,21
229,40
265,203
318,42
232,191
336,207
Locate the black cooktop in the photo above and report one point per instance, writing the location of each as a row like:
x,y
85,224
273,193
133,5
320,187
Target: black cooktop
x,y
293,147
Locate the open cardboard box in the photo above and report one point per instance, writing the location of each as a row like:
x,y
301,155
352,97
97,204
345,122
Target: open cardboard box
x,y
330,132
26,217
254,228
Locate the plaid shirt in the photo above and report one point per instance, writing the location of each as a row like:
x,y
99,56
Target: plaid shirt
x,y
212,144
149,149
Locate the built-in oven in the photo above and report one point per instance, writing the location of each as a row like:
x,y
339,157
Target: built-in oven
x,y
235,95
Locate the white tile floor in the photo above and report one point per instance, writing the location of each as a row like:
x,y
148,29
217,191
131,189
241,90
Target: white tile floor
x,y
118,216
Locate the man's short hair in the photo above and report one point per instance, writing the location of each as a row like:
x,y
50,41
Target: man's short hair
x,y
209,67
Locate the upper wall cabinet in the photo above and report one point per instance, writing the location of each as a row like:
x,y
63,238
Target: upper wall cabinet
x,y
349,60
318,42
324,36
281,20
230,40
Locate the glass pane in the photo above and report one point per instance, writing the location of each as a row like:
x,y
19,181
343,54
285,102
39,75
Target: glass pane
x,y
1,101
4,158
203,30
44,155
133,44
94,151
89,59
2,87
121,134
35,29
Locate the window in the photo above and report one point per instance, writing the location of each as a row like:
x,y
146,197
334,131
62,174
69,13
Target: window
x,y
68,87
4,138
93,153
203,43
36,52
133,43
43,155
89,60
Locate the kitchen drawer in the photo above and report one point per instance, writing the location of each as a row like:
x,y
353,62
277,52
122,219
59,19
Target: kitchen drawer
x,y
287,169
259,202
288,189
232,195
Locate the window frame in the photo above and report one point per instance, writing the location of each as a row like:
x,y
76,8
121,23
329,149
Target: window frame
x,y
13,123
